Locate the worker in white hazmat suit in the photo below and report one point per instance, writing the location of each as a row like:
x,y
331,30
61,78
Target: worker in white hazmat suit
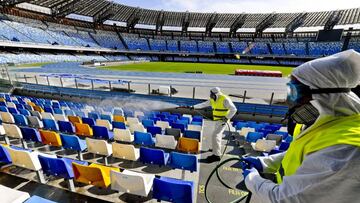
x,y
322,164
223,109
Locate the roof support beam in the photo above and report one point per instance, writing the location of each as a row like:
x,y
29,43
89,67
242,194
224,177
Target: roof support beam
x,y
239,22
104,13
160,20
296,23
333,19
65,8
214,18
267,22
133,19
185,23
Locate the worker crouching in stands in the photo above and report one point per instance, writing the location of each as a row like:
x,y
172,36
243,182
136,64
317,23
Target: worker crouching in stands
x,y
223,110
322,164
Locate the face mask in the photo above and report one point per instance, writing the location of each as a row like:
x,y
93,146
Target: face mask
x,y
213,96
305,114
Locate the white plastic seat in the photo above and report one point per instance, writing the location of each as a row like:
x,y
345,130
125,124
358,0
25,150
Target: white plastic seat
x,y
9,195
283,129
165,141
35,122
137,127
123,135
47,115
124,151
11,105
60,117
104,123
2,130
7,117
187,116
12,130
132,182
100,147
195,128
264,145
132,121
244,131
138,113
37,114
163,124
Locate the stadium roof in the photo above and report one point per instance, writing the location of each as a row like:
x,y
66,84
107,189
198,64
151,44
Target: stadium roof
x,y
102,10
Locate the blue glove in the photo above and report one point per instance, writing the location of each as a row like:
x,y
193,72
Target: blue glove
x,y
246,172
251,162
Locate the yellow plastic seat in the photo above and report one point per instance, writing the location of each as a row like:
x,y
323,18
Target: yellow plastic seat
x,y
74,119
50,138
38,109
188,145
118,118
94,174
31,104
2,100
83,130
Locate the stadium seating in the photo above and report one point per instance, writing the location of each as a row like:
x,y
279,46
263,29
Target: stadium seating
x,y
50,138
124,151
153,156
132,182
183,161
173,190
188,145
165,141
74,143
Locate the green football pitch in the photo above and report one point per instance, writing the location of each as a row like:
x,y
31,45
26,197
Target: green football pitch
x,y
207,68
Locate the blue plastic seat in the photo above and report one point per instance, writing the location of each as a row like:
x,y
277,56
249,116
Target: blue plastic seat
x,y
197,119
119,125
173,190
73,142
102,132
37,199
24,112
66,127
50,124
185,120
273,127
79,113
289,139
93,115
153,156
4,109
147,123
13,110
20,119
284,146
254,136
154,130
154,119
265,131
19,106
4,155
30,134
59,167
3,103
69,112
284,134
196,123
89,121
192,134
58,111
142,138
48,109
106,117
178,126
183,161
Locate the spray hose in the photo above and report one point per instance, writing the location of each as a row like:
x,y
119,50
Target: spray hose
x,y
215,170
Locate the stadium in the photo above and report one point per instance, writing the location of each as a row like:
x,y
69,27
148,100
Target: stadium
x,y
97,98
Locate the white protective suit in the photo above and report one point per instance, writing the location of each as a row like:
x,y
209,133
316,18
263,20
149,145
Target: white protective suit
x,y
219,125
329,175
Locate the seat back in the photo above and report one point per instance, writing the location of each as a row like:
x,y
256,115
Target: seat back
x,y
13,110
119,125
153,156
102,132
163,124
93,115
183,161
7,117
188,145
74,119
31,134
89,121
142,138
50,138
154,130
131,120
37,114
4,155
72,142
132,182
50,125
165,141
56,167
147,123
137,127
119,118
66,127
107,117
123,135
20,120
92,175
193,134
195,128
35,122
104,123
38,109
180,126
83,130
174,132
277,138
254,136
60,117
100,147
46,115
283,134
173,190
12,130
245,130
264,145
284,146
25,159
24,112
124,151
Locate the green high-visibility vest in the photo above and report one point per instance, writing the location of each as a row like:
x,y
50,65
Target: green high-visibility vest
x,y
328,131
218,109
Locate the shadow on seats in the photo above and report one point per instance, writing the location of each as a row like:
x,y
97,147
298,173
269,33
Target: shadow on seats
x,y
101,191
155,169
125,197
127,164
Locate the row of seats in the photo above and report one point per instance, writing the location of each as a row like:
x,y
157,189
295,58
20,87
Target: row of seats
x,y
121,180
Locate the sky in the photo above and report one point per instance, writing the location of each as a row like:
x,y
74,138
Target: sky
x,y
241,6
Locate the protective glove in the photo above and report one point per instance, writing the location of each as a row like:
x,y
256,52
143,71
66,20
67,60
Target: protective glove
x,y
246,172
251,162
